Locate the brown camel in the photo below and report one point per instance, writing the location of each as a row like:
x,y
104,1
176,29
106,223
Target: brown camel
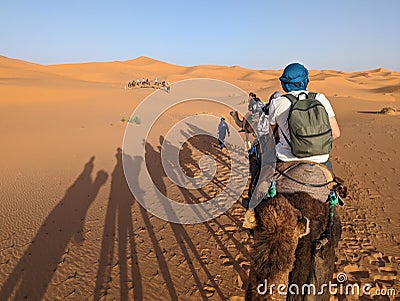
x,y
248,129
284,254
279,227
239,122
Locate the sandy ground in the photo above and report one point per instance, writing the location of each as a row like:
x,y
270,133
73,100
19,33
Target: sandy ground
x,y
71,230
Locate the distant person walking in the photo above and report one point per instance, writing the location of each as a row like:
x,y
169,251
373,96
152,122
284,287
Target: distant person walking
x,y
223,128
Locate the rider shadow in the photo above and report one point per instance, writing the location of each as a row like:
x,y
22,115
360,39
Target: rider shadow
x,y
65,223
153,157
119,227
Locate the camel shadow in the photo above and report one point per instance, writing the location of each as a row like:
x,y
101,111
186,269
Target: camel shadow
x,y
65,223
119,236
182,236
119,227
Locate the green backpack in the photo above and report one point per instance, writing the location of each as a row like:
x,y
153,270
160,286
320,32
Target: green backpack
x,y
309,127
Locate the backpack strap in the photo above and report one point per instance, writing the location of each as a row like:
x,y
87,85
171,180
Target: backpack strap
x,y
293,99
287,140
312,95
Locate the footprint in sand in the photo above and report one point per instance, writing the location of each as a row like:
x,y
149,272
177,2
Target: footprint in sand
x,y
367,246
226,261
236,298
209,290
387,272
205,256
231,229
219,232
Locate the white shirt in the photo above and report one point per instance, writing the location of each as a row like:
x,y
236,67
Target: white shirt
x,y
263,125
278,114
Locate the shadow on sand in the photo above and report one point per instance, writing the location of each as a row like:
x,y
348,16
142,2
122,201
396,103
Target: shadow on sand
x,y
182,237
119,227
33,273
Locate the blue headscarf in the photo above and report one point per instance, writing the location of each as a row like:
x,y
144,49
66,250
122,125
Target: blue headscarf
x,y
294,78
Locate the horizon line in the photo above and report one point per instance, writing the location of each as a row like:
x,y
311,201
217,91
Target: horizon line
x,y
186,66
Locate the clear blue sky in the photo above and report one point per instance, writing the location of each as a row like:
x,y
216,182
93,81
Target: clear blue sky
x,y
343,34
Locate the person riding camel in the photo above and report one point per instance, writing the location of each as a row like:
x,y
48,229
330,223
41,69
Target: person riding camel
x,y
262,155
255,107
305,125
282,109
294,81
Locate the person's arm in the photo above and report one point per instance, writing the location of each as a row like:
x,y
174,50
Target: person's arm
x,y
334,127
274,129
272,121
246,116
332,119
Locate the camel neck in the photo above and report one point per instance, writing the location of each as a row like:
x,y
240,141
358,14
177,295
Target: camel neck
x,y
274,289
280,288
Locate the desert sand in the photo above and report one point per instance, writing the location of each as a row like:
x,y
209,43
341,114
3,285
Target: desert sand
x,y
71,229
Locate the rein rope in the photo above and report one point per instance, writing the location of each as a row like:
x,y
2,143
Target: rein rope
x,y
316,185
336,195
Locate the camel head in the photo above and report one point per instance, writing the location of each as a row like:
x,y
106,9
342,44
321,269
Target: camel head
x,y
236,118
279,228
234,113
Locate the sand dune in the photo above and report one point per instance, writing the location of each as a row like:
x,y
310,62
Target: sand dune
x,y
72,230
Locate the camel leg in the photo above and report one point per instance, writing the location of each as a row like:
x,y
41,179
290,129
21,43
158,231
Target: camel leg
x,y
248,144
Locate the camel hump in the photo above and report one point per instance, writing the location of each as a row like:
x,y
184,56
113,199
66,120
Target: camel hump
x,y
308,173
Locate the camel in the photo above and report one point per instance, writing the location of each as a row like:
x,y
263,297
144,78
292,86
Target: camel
x,y
239,122
279,227
248,128
284,250
308,264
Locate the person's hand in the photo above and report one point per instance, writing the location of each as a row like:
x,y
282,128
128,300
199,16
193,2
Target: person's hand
x,y
261,190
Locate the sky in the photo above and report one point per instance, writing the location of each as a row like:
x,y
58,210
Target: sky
x,y
341,35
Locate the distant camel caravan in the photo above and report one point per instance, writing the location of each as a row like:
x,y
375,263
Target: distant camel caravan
x,y
295,235
146,83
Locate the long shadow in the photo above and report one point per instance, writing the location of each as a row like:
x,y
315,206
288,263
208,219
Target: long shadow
x,y
182,237
384,111
157,174
33,273
118,222
152,157
200,143
370,112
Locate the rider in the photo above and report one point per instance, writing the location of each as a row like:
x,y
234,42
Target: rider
x,y
294,80
263,124
255,106
264,154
